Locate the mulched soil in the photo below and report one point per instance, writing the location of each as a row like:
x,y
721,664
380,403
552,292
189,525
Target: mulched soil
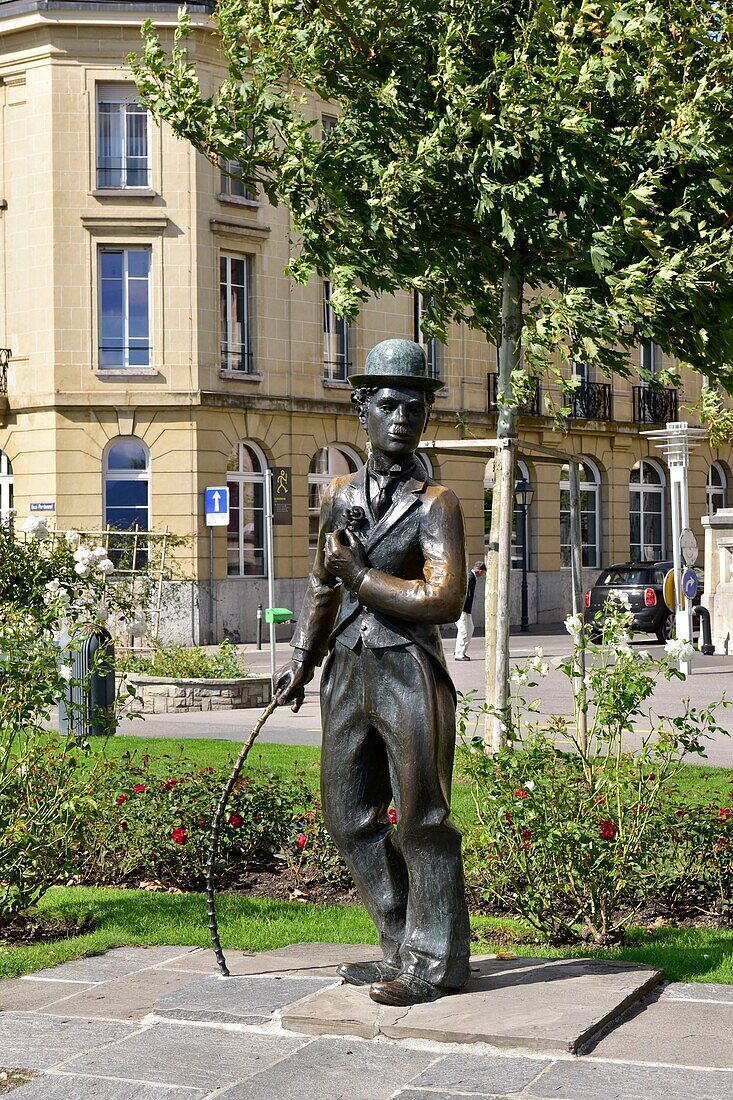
x,y
12,1078
35,928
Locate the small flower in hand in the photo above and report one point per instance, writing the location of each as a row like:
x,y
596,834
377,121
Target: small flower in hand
x,y
392,815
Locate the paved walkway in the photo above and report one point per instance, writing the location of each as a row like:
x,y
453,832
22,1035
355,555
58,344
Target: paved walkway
x,y
712,678
160,1024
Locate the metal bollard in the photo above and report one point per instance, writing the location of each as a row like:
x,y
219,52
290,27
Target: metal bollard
x,y
707,646
259,626
87,707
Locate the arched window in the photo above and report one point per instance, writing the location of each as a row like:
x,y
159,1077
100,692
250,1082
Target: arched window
x,y
646,511
716,489
6,485
326,464
518,533
246,470
127,485
590,485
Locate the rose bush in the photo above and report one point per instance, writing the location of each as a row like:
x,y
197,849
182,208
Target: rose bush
x,y
578,841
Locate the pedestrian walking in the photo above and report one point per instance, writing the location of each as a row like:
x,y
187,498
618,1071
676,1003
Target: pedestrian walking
x,y
464,626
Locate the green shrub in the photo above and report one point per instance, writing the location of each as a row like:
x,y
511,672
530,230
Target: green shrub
x,y
155,823
578,842
186,662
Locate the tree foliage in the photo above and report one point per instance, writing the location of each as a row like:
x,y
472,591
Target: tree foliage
x,y
585,147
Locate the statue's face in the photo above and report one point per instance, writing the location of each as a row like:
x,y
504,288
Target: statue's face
x,y
394,420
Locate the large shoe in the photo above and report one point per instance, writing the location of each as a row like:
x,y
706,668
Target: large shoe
x,y
365,973
406,989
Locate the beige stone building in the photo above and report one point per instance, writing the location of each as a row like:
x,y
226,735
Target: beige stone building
x,y
158,349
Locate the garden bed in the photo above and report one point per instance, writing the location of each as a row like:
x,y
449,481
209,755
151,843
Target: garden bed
x,y
167,694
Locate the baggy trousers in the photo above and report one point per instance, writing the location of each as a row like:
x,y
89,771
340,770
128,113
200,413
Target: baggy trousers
x,y
465,629
389,732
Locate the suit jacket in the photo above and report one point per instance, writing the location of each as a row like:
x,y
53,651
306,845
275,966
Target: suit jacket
x,y
417,575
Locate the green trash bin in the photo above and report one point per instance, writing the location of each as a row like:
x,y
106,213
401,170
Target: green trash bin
x,y
278,615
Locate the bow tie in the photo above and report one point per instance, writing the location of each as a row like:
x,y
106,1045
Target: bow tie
x,y
387,482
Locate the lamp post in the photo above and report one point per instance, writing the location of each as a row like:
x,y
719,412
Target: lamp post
x,y
524,492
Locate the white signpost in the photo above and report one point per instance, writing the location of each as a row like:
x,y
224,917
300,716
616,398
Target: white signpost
x,y
216,514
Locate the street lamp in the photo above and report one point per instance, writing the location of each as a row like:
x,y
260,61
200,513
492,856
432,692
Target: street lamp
x,y
523,493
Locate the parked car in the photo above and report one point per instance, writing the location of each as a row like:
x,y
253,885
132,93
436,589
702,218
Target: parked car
x,y
642,582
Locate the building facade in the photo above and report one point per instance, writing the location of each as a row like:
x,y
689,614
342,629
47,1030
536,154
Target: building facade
x,y
158,348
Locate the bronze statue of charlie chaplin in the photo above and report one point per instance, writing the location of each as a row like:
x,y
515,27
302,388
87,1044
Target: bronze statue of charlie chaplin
x,y
389,569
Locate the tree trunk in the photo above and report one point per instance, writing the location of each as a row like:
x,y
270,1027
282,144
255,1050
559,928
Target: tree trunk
x,y
499,556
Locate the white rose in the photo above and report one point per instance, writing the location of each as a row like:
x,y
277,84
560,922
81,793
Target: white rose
x,y
81,569
73,538
105,566
98,553
36,528
539,651
65,672
82,555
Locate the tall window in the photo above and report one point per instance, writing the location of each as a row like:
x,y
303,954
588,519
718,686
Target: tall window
x,y
246,471
124,307
231,182
326,464
337,337
651,356
716,489
646,511
6,485
236,295
590,484
127,485
521,474
122,138
433,347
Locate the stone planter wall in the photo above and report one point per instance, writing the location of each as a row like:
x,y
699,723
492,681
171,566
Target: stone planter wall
x,y
162,695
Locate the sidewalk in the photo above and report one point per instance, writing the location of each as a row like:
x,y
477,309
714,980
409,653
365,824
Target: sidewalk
x,y
161,1024
712,678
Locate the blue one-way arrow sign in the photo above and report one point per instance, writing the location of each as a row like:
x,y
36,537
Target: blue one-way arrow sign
x,y
216,506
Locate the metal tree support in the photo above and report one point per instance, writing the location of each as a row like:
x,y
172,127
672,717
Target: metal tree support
x,y
675,441
216,829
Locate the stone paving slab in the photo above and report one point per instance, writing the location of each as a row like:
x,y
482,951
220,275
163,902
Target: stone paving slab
x,y
178,1054
481,1076
129,998
531,1004
32,1041
66,1087
673,1032
250,1000
316,958
697,991
28,995
333,1070
116,963
579,1080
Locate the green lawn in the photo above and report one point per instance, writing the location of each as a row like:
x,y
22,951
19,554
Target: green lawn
x,y
137,917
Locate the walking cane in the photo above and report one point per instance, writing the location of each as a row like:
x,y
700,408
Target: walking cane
x,y
215,828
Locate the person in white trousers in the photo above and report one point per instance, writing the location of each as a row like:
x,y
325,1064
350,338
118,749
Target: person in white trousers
x,y
464,626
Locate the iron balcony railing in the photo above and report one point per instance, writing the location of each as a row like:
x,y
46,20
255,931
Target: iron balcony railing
x,y
651,406
592,401
531,407
5,354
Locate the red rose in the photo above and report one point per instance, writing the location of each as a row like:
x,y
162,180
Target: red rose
x,y
140,788
607,830
508,818
724,813
121,799
123,826
526,835
302,841
521,792
178,835
236,820
169,784
392,815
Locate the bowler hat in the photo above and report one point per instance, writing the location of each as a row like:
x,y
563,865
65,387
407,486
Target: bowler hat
x,y
400,363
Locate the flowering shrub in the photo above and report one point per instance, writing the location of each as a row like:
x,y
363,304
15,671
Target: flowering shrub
x,y
155,823
577,841
48,592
